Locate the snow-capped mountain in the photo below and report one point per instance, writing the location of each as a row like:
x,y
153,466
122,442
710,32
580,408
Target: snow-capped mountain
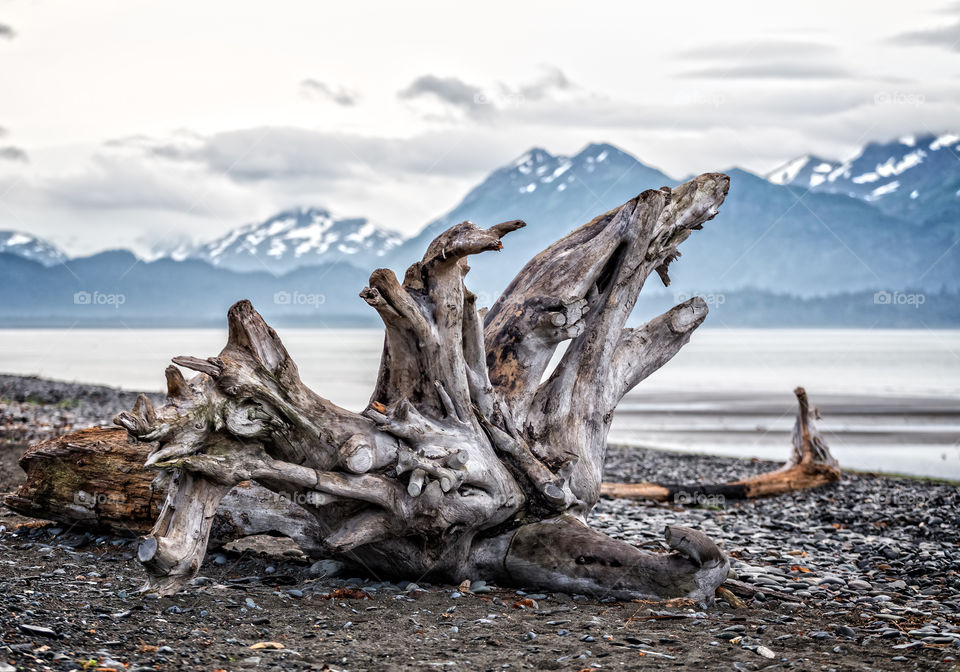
x,y
553,194
30,247
916,177
296,238
833,243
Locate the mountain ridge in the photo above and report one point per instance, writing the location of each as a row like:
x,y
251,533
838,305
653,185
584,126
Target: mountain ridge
x,y
778,234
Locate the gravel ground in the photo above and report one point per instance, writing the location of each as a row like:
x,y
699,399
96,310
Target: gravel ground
x,y
871,564
32,409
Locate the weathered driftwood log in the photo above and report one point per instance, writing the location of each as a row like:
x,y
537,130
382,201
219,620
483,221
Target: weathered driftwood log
x,y
95,479
810,466
464,464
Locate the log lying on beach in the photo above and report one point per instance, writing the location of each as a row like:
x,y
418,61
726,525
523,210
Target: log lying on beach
x,y
810,466
464,464
95,480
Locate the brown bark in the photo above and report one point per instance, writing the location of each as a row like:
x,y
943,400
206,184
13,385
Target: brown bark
x,y
95,479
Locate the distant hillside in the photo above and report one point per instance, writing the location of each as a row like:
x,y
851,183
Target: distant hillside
x,y
115,289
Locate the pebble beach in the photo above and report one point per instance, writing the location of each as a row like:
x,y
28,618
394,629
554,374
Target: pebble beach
x,y
861,575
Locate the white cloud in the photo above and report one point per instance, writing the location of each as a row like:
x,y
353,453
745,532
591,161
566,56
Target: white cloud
x,y
285,114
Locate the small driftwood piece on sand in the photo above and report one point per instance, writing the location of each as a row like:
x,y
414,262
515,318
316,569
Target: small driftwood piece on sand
x,y
810,466
465,463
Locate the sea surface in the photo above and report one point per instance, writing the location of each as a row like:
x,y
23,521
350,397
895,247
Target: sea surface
x,y
890,399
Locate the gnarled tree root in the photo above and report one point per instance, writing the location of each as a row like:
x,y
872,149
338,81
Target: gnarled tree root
x,y
463,447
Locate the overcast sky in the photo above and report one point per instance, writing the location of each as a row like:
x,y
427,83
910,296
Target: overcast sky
x,y
126,123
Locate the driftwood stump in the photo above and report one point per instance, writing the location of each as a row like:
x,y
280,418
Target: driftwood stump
x,y
811,465
468,461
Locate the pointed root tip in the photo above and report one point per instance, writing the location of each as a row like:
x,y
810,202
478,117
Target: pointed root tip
x,y
176,383
126,420
688,315
212,366
504,228
169,452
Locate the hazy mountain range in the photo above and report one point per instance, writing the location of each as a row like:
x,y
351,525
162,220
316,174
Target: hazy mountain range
x,y
818,241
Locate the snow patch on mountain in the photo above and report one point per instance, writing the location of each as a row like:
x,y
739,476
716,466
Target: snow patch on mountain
x,y
30,247
914,177
788,172
299,237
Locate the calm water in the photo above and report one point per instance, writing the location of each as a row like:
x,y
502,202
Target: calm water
x,y
738,381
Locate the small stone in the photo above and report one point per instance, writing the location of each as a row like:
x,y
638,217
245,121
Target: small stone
x,y
766,653
326,568
37,630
